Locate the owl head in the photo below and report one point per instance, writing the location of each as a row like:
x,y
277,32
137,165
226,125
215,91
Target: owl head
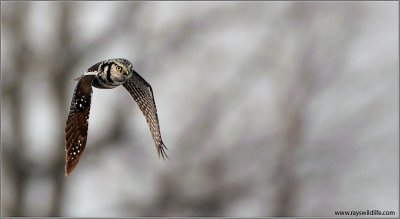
x,y
119,69
110,73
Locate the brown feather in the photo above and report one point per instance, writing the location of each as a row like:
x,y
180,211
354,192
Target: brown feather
x,y
76,126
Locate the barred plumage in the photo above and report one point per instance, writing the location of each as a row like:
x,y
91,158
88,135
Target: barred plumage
x,y
107,74
142,93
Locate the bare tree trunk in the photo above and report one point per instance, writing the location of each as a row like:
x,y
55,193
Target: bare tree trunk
x,y
21,52
288,183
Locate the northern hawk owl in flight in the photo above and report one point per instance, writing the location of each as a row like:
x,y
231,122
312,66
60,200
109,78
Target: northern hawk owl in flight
x,y
107,74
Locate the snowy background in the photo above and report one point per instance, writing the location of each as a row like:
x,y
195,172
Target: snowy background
x,y
267,108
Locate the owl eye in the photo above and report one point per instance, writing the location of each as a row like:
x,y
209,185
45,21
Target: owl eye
x,y
118,68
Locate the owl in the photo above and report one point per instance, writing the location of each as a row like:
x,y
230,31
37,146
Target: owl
x,y
107,74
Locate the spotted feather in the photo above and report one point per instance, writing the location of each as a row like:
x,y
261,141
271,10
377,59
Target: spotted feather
x,y
76,126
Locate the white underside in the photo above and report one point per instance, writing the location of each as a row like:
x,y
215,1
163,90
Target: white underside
x,y
90,73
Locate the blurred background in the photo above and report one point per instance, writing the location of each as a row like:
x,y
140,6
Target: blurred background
x,y
267,108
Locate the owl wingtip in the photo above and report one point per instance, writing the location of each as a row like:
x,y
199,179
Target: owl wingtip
x,y
68,170
69,167
161,152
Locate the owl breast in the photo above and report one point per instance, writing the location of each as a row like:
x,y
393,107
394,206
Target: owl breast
x,y
99,82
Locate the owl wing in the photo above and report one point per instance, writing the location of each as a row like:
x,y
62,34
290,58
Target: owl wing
x,y
142,93
76,126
